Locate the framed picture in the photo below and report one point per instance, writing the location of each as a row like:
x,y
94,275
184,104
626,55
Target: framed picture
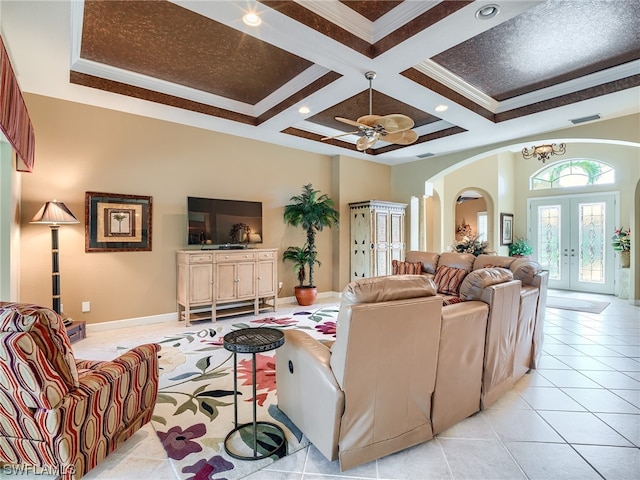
x,y
117,223
506,228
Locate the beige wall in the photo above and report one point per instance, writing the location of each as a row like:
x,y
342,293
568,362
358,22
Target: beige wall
x,y
82,148
352,184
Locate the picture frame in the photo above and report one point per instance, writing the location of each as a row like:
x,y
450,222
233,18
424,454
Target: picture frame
x,y
506,228
117,222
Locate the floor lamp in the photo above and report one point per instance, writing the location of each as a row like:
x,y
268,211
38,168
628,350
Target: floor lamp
x,y
55,214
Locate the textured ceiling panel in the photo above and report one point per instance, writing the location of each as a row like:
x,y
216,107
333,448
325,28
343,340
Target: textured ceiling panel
x,y
163,40
358,105
371,9
552,43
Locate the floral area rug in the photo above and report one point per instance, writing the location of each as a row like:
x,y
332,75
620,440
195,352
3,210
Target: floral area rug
x,y
195,408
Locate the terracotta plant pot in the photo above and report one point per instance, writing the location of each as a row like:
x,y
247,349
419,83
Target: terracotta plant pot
x,y
306,295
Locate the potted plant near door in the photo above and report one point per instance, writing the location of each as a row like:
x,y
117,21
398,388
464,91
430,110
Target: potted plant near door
x,y
312,211
520,248
621,243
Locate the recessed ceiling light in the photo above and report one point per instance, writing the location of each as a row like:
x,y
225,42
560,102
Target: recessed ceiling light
x,y
252,19
442,108
487,12
304,110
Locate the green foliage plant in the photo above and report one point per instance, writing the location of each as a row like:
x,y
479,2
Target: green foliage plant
x,y
520,247
313,211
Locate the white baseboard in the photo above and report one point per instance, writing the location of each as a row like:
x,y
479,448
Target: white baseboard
x,y
132,322
173,316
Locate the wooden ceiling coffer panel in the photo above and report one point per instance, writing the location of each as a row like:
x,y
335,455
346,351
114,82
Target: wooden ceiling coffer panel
x,y
163,40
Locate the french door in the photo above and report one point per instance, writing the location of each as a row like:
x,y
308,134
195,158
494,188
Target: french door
x,y
570,235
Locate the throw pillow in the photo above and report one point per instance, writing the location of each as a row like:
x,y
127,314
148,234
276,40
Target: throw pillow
x,y
406,268
450,300
448,279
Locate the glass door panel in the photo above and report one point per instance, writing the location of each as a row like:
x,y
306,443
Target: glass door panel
x,y
570,236
549,239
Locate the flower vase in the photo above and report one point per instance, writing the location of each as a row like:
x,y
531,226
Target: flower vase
x,y
625,258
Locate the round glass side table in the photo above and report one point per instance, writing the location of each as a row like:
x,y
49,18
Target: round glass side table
x,y
253,340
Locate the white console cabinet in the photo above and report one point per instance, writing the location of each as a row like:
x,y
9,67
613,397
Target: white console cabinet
x,y
377,237
219,283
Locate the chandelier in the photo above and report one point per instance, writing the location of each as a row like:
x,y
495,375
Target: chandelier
x,y
543,152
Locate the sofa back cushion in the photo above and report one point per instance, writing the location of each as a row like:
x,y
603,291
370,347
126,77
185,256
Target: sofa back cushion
x,y
463,261
386,289
525,270
382,304
476,281
429,260
48,333
449,279
487,261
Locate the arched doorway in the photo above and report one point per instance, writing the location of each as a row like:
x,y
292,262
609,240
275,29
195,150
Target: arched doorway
x,y
471,217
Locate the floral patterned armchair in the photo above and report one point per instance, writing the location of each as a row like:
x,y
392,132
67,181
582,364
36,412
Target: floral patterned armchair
x,y
62,414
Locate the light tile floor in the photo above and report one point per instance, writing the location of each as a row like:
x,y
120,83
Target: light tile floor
x,y
576,417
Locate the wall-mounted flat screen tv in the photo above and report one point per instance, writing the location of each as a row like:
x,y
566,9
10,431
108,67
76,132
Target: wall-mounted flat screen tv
x,y
213,222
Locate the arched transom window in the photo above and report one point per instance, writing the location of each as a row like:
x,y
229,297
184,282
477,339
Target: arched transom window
x,y
573,173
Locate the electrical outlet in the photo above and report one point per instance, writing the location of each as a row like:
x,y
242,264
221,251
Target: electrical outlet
x,y
279,284
86,307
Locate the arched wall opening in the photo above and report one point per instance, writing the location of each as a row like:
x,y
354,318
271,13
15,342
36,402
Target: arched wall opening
x,y
503,175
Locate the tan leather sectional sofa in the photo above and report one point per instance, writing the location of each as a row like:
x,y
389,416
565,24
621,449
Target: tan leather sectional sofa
x,y
514,336
404,367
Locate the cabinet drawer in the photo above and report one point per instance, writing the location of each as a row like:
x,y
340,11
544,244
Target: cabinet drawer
x,y
266,255
235,257
201,258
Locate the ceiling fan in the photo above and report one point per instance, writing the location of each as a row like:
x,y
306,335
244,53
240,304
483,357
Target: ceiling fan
x,y
394,128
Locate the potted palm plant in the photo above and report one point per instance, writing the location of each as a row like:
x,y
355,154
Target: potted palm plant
x,y
312,211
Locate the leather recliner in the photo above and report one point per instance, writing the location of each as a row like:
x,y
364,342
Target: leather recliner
x,y
370,393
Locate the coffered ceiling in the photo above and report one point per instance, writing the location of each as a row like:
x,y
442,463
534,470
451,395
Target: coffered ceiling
x,y
533,67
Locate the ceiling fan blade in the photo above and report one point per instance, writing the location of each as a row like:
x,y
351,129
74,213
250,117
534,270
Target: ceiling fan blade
x,y
338,136
396,122
404,137
349,122
369,120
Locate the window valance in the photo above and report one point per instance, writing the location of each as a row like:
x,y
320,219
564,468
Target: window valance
x,y
14,118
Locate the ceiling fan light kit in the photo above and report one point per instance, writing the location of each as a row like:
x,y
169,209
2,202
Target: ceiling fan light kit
x,y
393,128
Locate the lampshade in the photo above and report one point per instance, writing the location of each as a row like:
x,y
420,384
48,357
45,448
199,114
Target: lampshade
x,y
54,213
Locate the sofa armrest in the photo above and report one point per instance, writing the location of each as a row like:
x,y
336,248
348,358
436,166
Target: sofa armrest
x,y
504,301
308,392
541,281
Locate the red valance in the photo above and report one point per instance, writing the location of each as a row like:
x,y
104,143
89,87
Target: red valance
x,y
14,118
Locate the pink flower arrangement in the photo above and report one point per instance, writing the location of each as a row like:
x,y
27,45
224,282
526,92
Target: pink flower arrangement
x,y
621,240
